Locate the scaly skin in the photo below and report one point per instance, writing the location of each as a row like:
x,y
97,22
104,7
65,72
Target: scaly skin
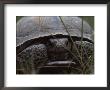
x,y
57,51
33,55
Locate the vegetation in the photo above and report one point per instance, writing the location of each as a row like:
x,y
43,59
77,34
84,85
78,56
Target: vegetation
x,y
80,53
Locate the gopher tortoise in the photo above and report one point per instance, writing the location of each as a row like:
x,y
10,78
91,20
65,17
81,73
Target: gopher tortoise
x,y
52,44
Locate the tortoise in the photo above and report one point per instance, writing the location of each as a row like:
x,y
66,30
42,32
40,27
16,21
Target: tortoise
x,y
47,41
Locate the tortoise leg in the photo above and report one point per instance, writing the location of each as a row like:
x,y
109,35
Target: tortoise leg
x,y
32,57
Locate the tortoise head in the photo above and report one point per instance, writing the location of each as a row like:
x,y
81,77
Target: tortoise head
x,y
59,42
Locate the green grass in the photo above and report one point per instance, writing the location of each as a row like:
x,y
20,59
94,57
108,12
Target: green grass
x,y
89,19
18,18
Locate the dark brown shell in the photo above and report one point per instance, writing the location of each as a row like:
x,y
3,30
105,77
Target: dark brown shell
x,y
29,28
